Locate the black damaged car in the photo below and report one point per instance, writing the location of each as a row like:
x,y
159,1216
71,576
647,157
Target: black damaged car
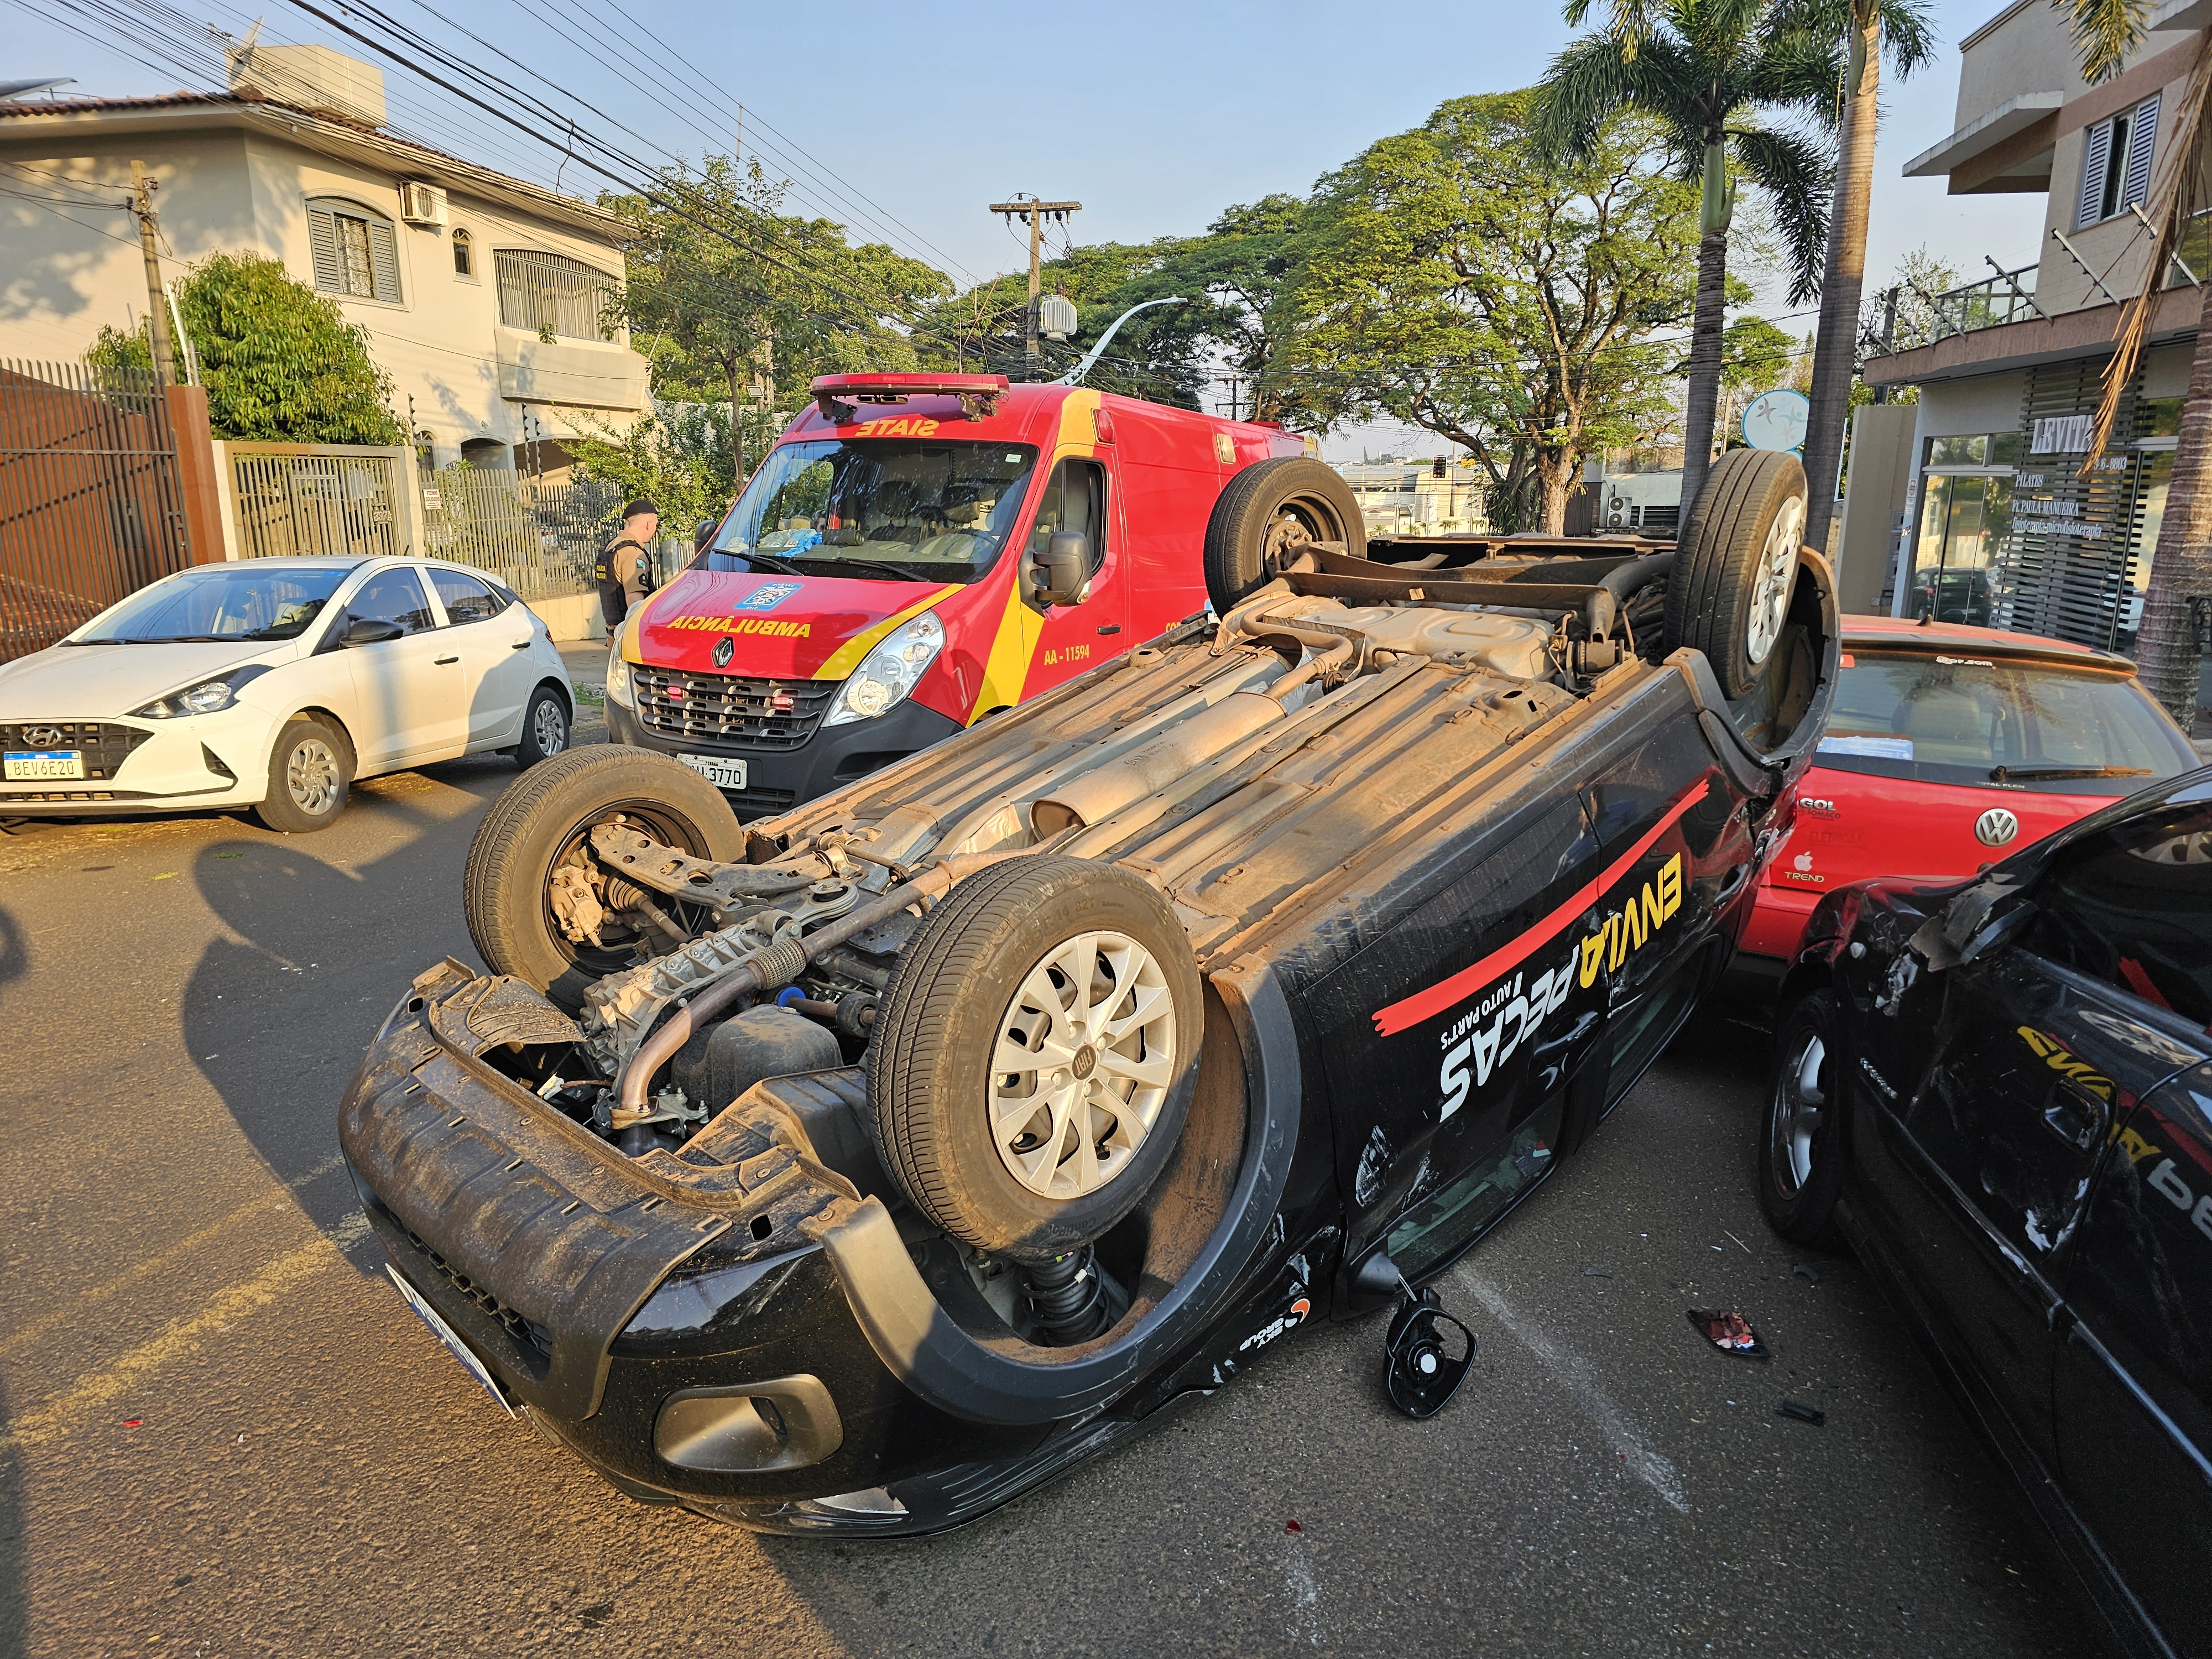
x,y
1999,1093
857,1170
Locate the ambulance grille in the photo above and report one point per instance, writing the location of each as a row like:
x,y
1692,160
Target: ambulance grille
x,y
733,707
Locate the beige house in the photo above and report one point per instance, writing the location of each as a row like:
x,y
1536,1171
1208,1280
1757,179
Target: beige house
x,y
1999,524
485,297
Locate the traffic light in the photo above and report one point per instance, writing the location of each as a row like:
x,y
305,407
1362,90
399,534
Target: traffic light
x,y
1439,467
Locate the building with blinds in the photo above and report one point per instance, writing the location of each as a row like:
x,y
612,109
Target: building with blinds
x,y
2002,524
489,301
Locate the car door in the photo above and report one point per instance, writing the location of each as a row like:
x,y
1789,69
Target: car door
x,y
2127,917
408,700
498,671
1675,854
1072,638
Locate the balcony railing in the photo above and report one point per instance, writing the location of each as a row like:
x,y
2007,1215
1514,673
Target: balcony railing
x,y
1990,303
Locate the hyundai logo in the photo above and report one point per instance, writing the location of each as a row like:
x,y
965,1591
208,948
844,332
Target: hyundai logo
x,y
725,649
43,737
1996,827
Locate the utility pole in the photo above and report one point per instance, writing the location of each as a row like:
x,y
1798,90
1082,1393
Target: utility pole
x,y
157,308
1037,210
1888,335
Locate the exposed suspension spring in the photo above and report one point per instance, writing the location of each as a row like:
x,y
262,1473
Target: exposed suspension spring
x,y
1067,1298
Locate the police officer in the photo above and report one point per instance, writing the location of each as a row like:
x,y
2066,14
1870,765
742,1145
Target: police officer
x,y
620,574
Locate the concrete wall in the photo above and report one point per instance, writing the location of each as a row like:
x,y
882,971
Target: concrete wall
x,y
575,616
1986,402
65,274
1874,502
2025,48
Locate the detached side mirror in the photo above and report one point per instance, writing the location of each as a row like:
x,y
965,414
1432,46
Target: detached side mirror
x,y
1067,571
370,630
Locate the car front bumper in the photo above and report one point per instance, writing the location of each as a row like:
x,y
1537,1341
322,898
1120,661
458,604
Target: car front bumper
x,y
832,757
195,762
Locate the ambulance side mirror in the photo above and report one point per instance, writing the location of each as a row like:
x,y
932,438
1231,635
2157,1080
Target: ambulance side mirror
x,y
1066,568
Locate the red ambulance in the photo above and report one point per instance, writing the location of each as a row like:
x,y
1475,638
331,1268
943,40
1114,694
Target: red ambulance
x,y
919,551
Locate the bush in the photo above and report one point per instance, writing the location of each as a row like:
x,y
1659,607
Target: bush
x,y
279,360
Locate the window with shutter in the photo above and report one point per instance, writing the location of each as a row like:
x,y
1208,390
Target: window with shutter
x,y
2096,156
356,250
2143,138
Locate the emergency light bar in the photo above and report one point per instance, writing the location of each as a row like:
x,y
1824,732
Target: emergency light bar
x,y
979,394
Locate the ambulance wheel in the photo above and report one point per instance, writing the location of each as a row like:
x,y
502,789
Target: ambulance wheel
x,y
1728,596
531,886
1265,517
1035,1055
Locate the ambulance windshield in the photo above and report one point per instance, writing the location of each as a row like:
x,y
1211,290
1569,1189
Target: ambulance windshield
x,y
887,506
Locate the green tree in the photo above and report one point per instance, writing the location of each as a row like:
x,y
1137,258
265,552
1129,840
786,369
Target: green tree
x,y
983,329
1868,29
279,360
115,351
1459,280
2167,645
1706,71
679,457
735,301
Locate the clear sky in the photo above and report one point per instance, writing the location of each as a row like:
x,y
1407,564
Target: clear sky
x,y
905,121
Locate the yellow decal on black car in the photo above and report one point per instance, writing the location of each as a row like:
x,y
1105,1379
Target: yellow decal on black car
x,y
1628,929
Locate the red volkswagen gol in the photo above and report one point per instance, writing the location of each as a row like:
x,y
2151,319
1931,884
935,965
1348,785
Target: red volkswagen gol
x,y
1949,747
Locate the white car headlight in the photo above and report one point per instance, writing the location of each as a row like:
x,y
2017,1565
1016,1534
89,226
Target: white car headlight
x,y
618,691
887,673
208,697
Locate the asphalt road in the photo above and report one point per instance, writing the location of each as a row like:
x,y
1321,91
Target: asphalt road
x,y
224,1436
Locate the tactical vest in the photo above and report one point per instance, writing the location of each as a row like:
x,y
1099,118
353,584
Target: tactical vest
x,y
614,598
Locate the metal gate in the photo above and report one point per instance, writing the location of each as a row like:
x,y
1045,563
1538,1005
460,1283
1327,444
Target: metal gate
x,y
90,507
307,499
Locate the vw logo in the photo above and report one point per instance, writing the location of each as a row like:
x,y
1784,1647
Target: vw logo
x,y
43,737
725,649
1996,827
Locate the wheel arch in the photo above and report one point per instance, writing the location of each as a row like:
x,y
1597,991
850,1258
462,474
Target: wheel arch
x,y
562,689
332,718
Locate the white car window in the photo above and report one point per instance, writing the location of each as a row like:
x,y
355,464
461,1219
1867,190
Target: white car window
x,y
394,596
466,598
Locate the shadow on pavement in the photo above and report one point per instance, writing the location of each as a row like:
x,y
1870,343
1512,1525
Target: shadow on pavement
x,y
311,954
14,1604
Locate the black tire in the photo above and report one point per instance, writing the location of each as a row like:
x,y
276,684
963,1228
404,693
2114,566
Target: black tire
x,y
1262,516
309,770
541,818
1741,547
931,1081
1800,1165
545,728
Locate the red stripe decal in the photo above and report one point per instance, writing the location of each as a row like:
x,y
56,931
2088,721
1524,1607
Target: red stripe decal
x,y
1399,1015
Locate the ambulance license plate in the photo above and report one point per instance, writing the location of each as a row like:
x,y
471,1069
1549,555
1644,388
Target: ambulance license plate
x,y
38,765
718,770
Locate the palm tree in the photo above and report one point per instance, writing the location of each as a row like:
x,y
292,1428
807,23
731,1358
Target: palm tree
x,y
2166,646
1706,70
1870,28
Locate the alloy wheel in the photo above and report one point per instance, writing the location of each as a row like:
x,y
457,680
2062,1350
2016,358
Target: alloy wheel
x,y
549,729
312,777
1083,1059
1800,1098
1770,594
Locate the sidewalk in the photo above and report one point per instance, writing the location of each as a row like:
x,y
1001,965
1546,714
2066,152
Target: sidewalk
x,y
587,674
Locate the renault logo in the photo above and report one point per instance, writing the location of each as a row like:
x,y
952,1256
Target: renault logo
x,y
1996,827
725,649
43,737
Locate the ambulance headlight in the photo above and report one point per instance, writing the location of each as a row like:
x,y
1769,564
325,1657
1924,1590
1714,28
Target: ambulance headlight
x,y
618,691
887,673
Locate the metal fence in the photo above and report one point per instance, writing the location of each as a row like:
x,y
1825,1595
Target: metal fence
x,y
2008,297
90,507
538,539
291,500
552,294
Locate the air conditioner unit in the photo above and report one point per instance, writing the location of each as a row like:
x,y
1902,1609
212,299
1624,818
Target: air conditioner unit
x,y
423,204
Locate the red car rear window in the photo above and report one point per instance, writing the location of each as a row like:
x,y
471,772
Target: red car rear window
x,y
1937,717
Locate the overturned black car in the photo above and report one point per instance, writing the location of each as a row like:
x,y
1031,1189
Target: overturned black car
x,y
856,1170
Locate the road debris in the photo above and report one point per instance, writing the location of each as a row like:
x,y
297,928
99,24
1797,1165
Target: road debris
x,y
1804,1272
1803,1413
1731,1333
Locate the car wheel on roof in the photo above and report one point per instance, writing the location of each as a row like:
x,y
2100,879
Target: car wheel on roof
x,y
1268,516
1730,594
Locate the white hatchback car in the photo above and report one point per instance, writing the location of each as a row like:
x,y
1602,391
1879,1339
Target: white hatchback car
x,y
273,684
